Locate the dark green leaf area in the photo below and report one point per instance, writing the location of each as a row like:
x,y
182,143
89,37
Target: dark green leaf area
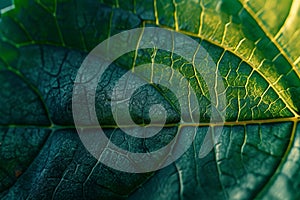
x,y
17,154
243,160
63,169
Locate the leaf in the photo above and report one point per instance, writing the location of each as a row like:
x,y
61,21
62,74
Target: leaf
x,y
5,3
42,45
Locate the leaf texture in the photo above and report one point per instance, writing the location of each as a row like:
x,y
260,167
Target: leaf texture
x,y
254,45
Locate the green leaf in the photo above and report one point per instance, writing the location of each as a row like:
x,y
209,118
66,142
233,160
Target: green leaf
x,y
5,3
254,45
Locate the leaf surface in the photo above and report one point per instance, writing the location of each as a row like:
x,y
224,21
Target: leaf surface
x,y
42,45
